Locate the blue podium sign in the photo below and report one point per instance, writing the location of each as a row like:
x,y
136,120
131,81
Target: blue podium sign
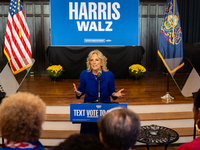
x,y
94,23
84,112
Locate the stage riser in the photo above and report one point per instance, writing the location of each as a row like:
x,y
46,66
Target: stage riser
x,y
52,142
136,108
182,123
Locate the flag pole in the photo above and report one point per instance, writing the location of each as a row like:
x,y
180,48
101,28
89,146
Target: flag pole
x,y
167,97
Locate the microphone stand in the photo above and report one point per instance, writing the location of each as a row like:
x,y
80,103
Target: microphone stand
x,y
98,90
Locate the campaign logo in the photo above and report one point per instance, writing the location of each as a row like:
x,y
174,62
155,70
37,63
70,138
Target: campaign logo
x,y
98,106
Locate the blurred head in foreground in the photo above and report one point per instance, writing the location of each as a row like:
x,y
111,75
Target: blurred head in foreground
x,y
81,142
119,129
196,109
21,117
195,143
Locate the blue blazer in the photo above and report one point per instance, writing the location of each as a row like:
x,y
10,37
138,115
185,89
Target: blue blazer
x,y
89,86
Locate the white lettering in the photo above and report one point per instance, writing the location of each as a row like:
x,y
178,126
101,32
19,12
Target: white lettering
x,y
109,11
71,10
89,26
101,10
92,113
75,112
93,26
92,10
117,16
109,25
82,25
78,112
102,112
83,11
99,26
105,11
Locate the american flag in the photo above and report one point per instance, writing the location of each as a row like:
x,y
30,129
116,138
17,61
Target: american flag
x,y
17,46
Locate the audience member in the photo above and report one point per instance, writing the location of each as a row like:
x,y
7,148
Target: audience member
x,y
195,144
21,118
119,129
81,142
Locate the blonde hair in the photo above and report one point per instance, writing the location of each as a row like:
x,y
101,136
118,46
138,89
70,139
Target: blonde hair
x,y
101,56
21,117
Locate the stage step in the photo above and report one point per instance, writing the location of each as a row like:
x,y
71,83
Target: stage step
x,y
56,134
143,116
62,134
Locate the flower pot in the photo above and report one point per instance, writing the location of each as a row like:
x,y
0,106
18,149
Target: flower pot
x,y
136,78
54,78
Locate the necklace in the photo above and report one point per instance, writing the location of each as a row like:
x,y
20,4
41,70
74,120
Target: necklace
x,y
95,76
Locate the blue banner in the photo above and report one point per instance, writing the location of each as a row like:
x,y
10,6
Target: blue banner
x,y
94,23
85,112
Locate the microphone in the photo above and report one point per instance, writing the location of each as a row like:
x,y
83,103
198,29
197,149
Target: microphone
x,y
99,73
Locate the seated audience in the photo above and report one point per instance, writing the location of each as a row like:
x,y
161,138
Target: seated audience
x,y
195,144
21,118
119,129
81,142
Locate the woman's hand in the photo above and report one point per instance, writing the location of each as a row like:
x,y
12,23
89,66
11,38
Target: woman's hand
x,y
78,93
118,94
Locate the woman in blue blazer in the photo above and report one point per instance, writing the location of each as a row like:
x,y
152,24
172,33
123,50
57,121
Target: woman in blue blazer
x,y
96,61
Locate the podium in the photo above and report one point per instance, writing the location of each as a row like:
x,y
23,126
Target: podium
x,y
90,112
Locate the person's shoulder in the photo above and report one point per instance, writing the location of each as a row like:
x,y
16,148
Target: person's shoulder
x,y
185,147
108,73
189,146
84,72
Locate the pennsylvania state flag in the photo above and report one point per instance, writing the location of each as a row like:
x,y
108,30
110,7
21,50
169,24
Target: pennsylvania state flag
x,y
170,39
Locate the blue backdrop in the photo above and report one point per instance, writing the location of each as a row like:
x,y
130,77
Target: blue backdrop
x,y
96,23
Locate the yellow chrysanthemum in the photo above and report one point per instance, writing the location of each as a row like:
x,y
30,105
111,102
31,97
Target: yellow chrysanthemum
x,y
55,70
136,70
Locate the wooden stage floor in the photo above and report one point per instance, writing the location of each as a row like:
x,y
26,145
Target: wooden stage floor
x,y
147,91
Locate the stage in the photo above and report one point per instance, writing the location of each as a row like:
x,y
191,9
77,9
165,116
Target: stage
x,y
142,96
146,91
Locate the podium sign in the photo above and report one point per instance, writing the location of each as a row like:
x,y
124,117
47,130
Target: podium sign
x,y
85,112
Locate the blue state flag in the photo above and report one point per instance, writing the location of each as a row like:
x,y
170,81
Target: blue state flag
x,y
170,39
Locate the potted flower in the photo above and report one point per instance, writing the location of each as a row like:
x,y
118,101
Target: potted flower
x,y
136,70
55,71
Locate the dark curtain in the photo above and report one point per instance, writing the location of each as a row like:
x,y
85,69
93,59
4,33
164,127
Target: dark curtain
x,y
189,11
73,60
